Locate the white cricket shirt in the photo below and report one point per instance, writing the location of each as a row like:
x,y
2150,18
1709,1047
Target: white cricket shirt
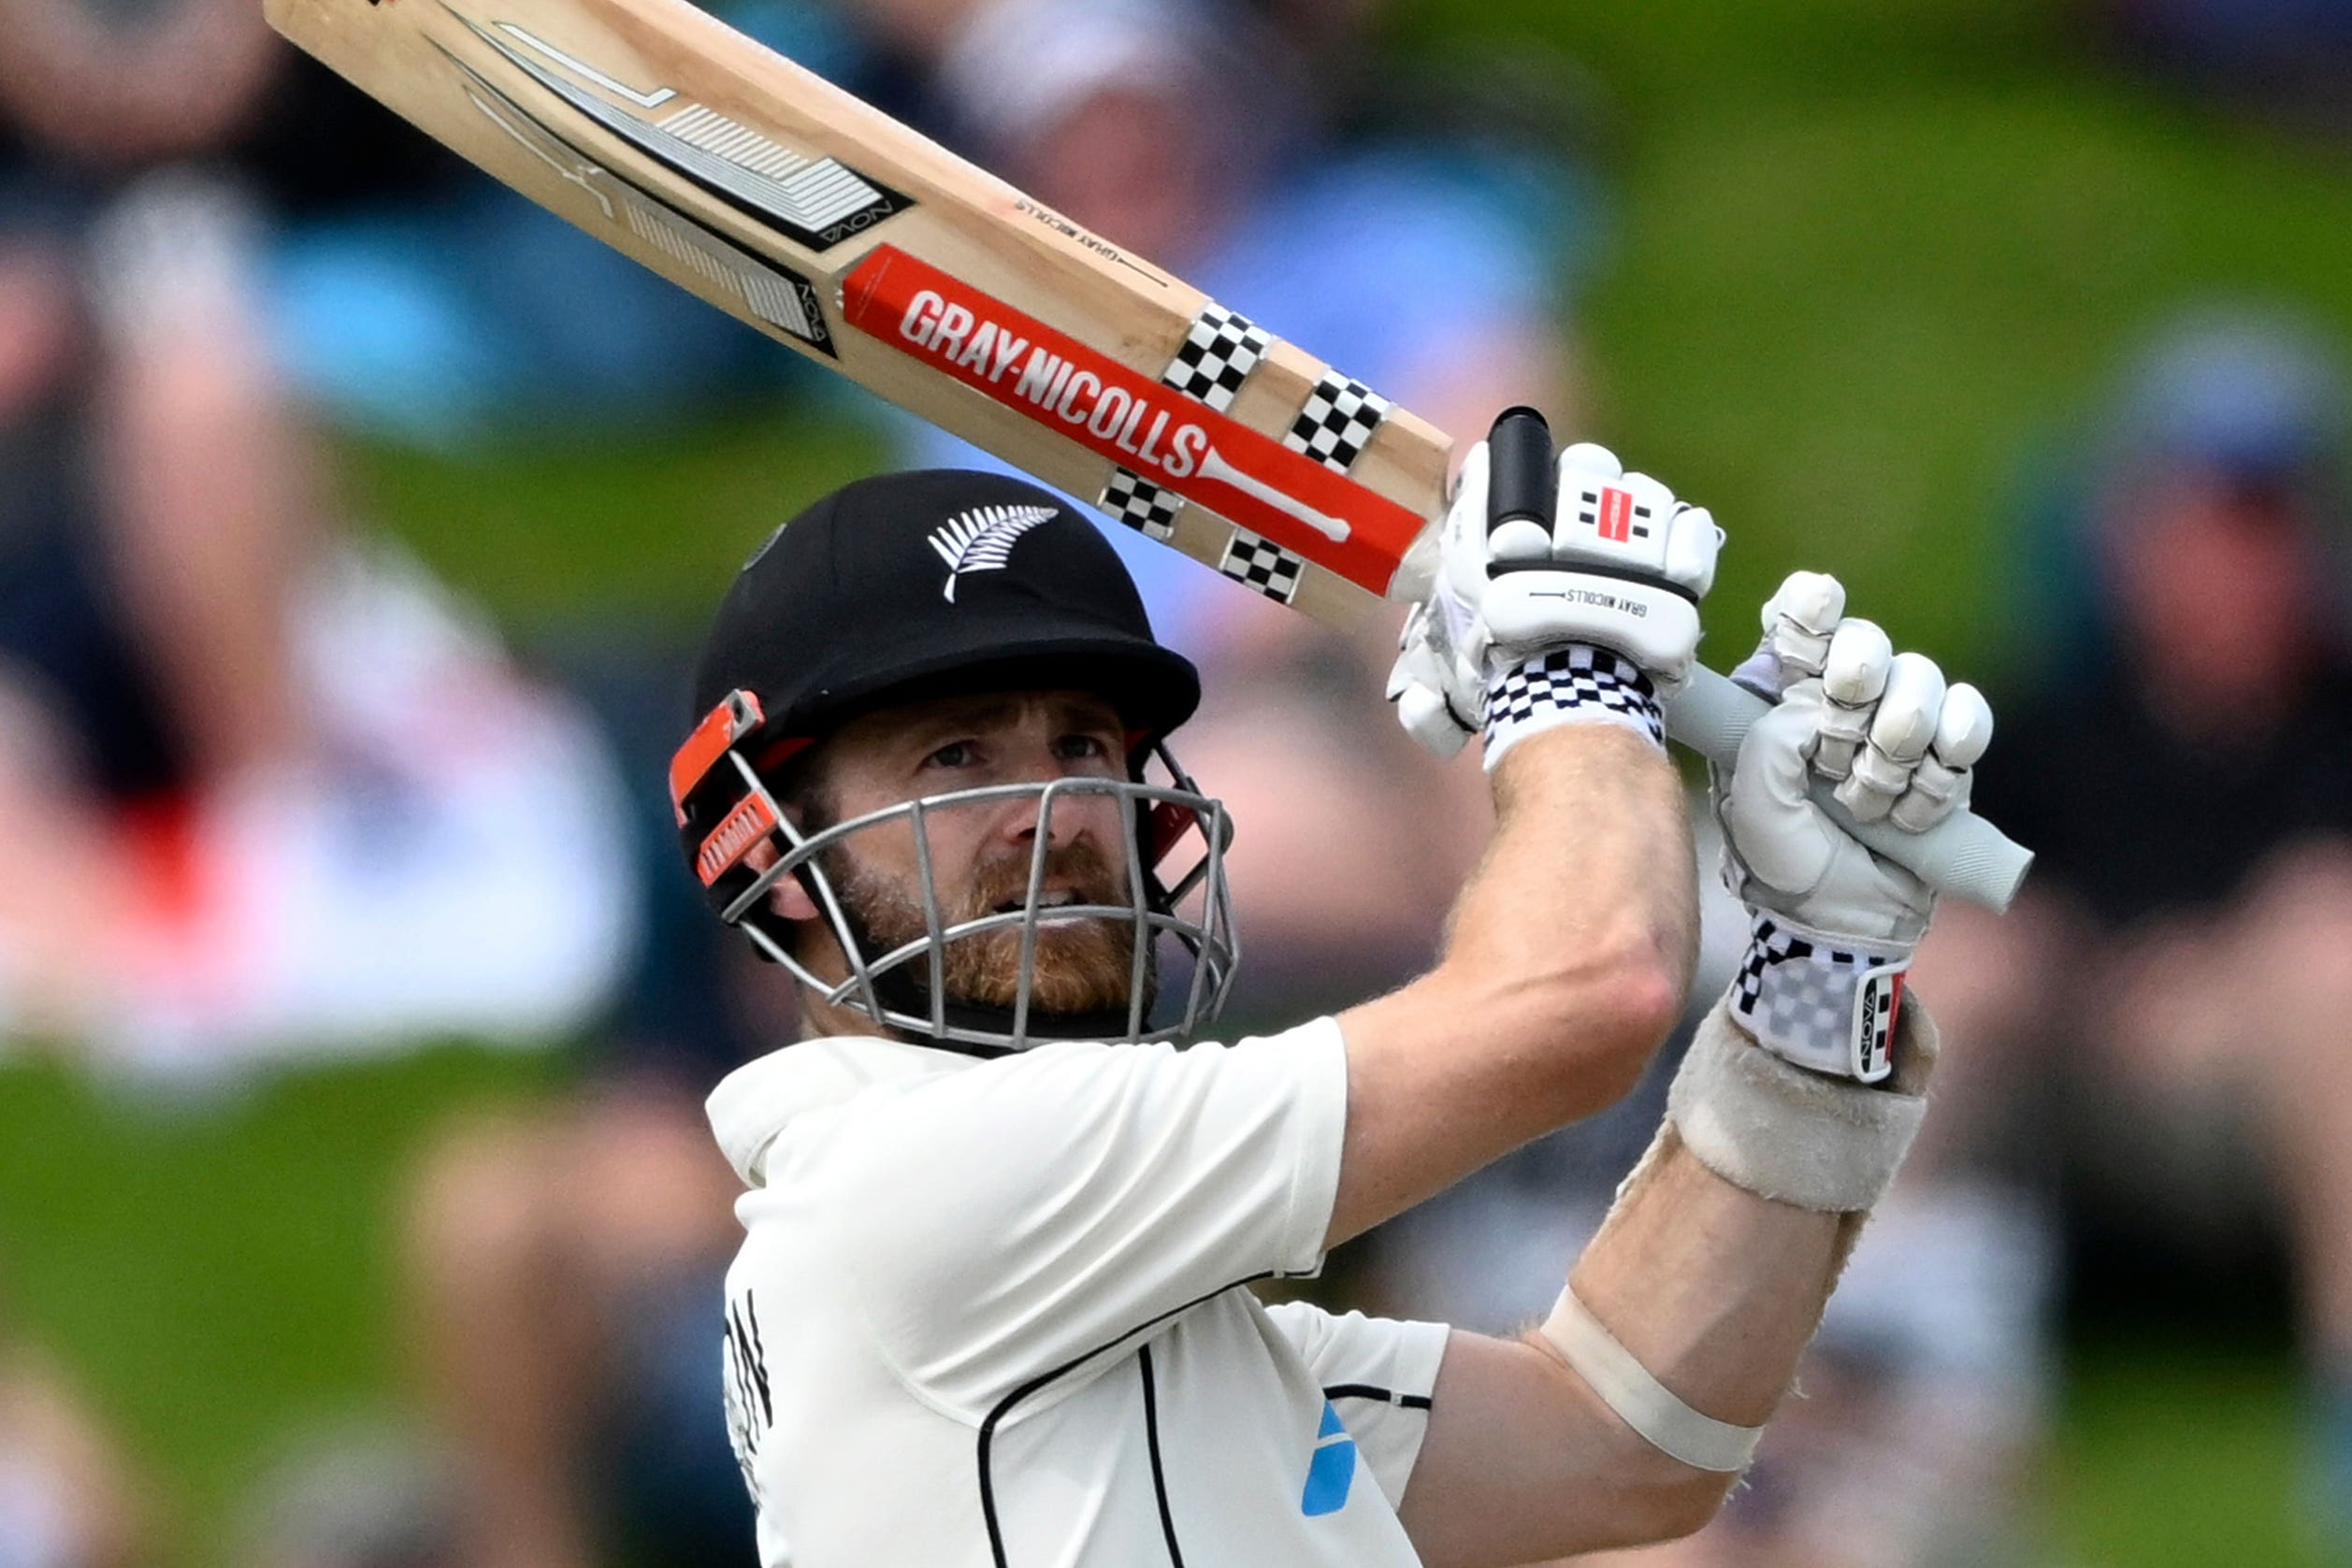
x,y
990,1314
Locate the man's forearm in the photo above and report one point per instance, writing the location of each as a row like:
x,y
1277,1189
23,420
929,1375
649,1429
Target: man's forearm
x,y
1715,1291
1626,1416
1567,961
1591,856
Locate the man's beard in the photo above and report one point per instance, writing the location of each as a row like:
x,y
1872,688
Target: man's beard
x,y
1079,966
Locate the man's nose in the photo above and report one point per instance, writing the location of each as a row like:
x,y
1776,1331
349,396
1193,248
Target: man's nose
x,y
1066,815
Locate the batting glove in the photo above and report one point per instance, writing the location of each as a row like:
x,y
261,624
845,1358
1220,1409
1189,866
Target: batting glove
x,y
1581,608
1834,926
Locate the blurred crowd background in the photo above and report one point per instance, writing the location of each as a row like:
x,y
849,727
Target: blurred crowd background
x,y
358,522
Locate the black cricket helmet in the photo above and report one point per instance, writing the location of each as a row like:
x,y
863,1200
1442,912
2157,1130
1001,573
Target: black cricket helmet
x,y
917,585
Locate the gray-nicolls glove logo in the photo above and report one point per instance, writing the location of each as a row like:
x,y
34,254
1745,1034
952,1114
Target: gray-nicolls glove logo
x,y
1613,514
981,539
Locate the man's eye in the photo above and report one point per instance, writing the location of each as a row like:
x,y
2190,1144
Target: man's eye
x,y
955,753
1078,747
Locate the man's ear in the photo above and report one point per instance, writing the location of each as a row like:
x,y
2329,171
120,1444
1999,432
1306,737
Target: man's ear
x,y
789,899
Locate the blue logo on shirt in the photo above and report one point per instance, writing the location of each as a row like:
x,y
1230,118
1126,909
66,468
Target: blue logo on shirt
x,y
1333,1470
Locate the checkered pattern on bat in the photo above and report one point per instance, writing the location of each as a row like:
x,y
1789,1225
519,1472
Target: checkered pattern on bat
x,y
1263,565
1141,504
1825,1007
1212,363
1338,420
1578,680
1216,356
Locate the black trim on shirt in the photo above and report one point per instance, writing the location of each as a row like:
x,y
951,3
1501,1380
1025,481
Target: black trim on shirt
x,y
1386,1396
1003,1407
1151,1442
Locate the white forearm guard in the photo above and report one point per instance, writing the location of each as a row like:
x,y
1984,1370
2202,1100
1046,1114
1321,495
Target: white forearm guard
x,y
1771,1127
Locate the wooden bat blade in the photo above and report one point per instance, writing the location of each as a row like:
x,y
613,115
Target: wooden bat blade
x,y
840,233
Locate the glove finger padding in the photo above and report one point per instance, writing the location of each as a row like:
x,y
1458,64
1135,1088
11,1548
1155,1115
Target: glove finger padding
x,y
1462,540
1798,621
1419,686
1694,538
1940,786
1901,728
1466,515
1854,669
1964,732
1935,793
1801,620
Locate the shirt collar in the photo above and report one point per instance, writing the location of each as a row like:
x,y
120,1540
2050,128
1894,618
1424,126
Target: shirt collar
x,y
753,1103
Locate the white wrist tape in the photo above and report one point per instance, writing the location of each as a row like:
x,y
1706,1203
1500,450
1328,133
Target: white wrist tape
x,y
1801,1138
1826,1003
1643,1403
1575,685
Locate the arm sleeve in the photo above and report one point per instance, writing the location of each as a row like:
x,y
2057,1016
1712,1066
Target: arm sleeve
x,y
1379,1375
1001,1222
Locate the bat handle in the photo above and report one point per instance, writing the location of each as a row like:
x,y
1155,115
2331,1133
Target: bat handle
x,y
1963,855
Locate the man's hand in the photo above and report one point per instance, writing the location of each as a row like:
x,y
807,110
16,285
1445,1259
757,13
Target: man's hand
x,y
1579,602
1835,925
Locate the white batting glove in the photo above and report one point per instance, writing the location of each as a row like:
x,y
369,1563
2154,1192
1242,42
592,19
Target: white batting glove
x,y
1593,619
1834,924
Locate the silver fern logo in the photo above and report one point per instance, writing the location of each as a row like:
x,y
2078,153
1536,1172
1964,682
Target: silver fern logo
x,y
981,539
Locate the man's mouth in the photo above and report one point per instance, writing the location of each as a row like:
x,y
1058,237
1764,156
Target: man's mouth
x,y
1053,898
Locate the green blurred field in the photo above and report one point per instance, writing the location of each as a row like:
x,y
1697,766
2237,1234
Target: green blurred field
x,y
1868,250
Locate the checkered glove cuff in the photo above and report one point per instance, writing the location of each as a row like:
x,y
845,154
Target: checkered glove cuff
x,y
1823,1002
1575,685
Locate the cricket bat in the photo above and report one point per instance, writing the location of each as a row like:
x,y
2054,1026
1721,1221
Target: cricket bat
x,y
826,224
